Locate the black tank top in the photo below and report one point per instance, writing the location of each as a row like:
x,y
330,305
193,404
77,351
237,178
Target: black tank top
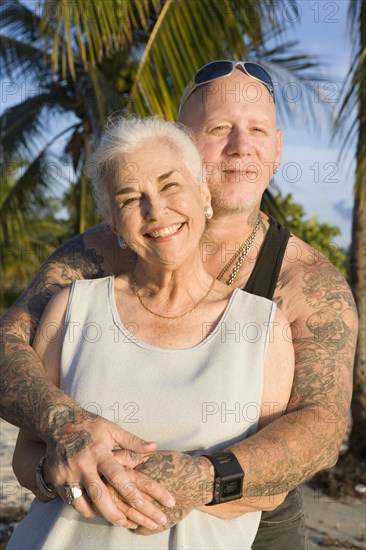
x,y
263,279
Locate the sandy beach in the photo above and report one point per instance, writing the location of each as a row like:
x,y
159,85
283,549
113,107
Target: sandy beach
x,y
332,523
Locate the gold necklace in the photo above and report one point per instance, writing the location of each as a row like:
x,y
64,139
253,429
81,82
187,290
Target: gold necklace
x,y
137,294
240,256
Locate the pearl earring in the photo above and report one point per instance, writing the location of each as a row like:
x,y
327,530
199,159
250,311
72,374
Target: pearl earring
x,y
208,212
122,242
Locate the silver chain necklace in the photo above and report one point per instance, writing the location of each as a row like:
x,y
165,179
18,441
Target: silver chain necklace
x,y
239,256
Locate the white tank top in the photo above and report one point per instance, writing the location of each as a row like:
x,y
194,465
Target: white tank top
x,y
205,397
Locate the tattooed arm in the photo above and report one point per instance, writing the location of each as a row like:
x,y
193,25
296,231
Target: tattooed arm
x,y
318,302
191,479
78,444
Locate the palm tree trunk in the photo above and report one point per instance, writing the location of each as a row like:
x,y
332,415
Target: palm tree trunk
x,y
83,190
358,268
358,283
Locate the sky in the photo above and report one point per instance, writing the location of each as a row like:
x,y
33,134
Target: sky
x,y
310,168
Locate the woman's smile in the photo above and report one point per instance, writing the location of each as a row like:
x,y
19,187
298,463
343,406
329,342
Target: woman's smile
x,y
164,232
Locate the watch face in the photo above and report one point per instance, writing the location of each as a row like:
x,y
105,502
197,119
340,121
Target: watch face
x,y
231,488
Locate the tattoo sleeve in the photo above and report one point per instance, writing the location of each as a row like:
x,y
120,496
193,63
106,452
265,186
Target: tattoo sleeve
x,y
306,439
27,395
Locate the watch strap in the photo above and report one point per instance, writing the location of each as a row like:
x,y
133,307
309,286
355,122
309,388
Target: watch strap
x,y
227,470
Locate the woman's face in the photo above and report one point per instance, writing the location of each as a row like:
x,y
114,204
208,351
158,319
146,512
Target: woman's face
x,y
156,204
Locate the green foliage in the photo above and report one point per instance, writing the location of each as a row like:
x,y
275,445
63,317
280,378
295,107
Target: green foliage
x,y
21,257
29,229
318,235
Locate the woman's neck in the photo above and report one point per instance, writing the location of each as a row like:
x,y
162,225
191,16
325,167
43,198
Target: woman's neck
x,y
189,277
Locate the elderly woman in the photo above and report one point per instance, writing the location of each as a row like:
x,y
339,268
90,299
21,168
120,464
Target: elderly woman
x,y
191,363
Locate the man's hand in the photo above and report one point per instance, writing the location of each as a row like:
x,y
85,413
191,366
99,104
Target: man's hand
x,y
80,453
188,478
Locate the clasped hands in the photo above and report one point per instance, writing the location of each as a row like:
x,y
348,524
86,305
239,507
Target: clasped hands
x,y
136,487
188,479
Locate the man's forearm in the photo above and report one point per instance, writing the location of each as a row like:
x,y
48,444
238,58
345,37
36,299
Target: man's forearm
x,y
288,451
307,439
28,397
30,400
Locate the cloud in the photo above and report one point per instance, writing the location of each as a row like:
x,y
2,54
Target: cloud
x,y
343,210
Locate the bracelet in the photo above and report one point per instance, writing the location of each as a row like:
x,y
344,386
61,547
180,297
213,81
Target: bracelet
x,y
41,484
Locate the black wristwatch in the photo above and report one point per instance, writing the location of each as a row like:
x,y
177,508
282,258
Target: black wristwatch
x,y
229,477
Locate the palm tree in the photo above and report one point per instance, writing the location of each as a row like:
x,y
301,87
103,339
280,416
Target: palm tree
x,y
355,102
89,61
25,126
174,39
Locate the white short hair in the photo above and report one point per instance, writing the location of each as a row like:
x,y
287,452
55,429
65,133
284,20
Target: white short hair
x,y
124,134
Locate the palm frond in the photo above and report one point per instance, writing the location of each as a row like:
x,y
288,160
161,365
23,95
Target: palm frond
x,y
353,17
180,42
24,194
23,124
187,35
21,61
27,187
18,20
92,30
106,99
22,254
346,122
351,118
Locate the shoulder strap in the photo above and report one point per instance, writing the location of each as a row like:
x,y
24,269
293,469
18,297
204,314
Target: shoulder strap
x,y
264,276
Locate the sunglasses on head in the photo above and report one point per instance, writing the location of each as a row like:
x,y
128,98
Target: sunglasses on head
x,y
222,68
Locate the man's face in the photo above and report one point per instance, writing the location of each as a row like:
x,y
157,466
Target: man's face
x,y
234,120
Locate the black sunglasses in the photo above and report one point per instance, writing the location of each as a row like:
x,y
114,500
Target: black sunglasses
x,y
222,68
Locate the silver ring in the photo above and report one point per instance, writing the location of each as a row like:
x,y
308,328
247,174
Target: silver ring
x,y
72,493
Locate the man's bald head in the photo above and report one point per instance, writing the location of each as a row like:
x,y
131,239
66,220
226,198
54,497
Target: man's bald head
x,y
234,121
237,87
